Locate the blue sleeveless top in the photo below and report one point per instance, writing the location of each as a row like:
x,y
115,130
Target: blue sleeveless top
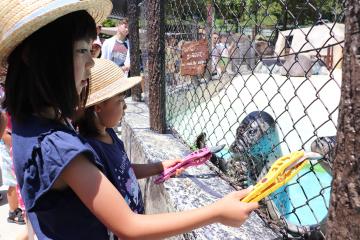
x,y
41,150
118,170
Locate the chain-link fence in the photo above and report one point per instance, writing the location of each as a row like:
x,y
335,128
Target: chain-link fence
x,y
262,77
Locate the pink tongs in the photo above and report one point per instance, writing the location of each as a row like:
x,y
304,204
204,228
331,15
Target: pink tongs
x,y
195,158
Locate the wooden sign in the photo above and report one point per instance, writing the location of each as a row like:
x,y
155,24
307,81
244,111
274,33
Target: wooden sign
x,y
194,56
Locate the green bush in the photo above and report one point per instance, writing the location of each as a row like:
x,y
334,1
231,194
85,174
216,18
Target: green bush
x,y
109,23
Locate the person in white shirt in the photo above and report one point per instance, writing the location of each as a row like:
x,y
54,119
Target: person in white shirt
x,y
117,48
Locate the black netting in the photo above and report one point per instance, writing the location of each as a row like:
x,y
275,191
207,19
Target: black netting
x,y
271,86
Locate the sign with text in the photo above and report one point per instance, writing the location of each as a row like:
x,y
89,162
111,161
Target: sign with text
x,y
194,56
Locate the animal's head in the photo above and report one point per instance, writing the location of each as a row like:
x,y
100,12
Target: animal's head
x,y
254,126
326,147
200,141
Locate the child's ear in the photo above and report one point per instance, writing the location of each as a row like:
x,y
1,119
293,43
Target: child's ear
x,y
97,108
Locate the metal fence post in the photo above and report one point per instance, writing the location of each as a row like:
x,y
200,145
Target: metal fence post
x,y
133,13
156,51
344,212
209,26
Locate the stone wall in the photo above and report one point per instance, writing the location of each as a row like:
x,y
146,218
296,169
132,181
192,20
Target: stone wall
x,y
196,187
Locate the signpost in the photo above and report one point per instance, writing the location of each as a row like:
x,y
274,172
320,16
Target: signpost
x,y
194,56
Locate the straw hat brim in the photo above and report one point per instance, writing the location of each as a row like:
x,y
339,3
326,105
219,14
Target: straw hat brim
x,y
107,80
112,90
28,21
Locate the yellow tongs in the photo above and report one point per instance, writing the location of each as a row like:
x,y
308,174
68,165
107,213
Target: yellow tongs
x,y
281,171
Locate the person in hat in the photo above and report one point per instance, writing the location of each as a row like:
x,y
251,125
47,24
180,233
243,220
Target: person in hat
x,y
62,180
43,86
117,48
104,110
97,44
7,172
96,48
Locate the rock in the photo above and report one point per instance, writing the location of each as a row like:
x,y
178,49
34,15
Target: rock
x,y
316,68
323,71
276,69
244,69
297,66
258,68
262,68
264,48
265,69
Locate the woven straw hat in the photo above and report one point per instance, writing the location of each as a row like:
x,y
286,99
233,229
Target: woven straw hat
x,y
20,18
108,80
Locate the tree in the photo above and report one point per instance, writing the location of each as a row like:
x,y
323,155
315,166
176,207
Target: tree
x,y
344,213
280,12
250,12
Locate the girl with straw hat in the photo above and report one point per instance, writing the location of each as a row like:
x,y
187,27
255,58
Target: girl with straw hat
x,y
46,44
104,110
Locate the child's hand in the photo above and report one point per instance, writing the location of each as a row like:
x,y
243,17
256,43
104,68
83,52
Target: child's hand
x,y
170,163
231,211
125,68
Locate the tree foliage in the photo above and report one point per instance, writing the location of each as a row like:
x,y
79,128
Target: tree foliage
x,y
250,13
275,12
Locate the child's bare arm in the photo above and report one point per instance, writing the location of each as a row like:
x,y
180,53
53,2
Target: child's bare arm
x,y
7,138
4,131
151,169
147,170
3,122
101,197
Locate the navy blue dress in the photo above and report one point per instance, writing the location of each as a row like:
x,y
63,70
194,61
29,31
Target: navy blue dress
x,y
118,170
41,150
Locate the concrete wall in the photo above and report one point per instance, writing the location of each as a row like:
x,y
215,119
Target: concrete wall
x,y
196,187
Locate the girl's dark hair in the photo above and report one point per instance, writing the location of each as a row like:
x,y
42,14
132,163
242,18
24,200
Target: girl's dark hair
x,y
41,68
86,123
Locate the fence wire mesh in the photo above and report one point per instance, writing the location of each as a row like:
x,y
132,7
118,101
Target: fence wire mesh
x,y
269,86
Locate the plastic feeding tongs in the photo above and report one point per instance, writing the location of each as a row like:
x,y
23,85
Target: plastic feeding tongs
x,y
281,171
195,158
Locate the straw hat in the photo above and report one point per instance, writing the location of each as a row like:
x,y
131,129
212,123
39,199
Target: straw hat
x,y
20,18
108,80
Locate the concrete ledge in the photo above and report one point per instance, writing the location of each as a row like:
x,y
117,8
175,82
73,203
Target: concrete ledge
x,y
197,187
